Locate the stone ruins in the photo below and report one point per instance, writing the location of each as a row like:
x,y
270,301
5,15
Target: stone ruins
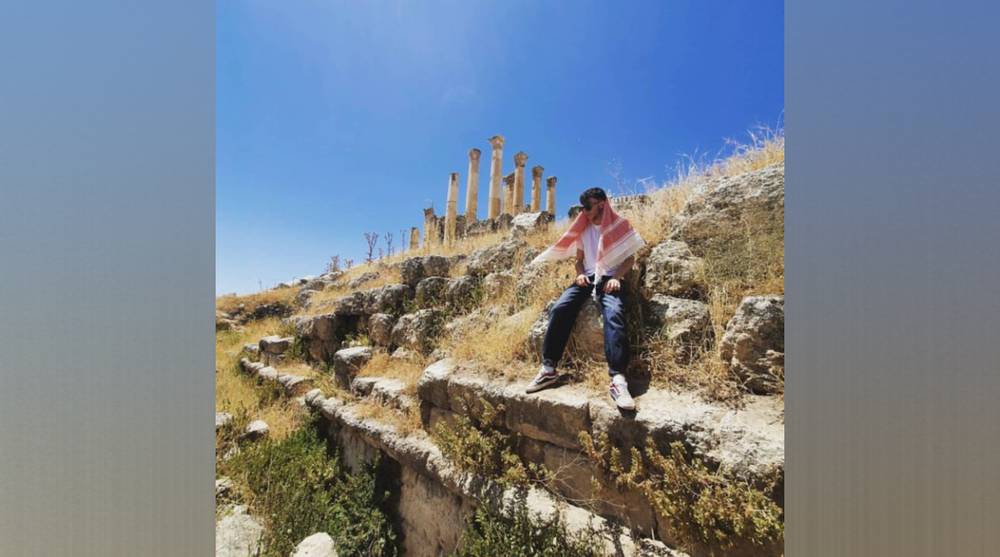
x,y
506,200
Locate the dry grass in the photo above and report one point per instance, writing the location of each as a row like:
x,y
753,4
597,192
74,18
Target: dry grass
x,y
230,303
238,393
406,370
405,422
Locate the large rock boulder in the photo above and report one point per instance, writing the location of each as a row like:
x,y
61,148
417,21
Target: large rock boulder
x,y
494,285
361,279
526,223
348,361
319,544
274,344
273,309
415,269
237,534
321,335
586,341
417,331
729,203
353,304
380,329
387,299
753,346
672,269
464,293
431,291
686,324
495,258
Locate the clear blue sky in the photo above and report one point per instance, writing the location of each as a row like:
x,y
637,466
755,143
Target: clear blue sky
x,y
336,118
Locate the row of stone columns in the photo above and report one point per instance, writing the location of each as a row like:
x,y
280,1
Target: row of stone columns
x,y
507,199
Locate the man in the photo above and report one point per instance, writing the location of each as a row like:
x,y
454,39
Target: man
x,y
605,245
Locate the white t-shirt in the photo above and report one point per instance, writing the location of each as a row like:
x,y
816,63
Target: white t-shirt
x,y
588,243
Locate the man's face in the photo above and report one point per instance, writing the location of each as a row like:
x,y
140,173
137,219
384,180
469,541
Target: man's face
x,y
594,209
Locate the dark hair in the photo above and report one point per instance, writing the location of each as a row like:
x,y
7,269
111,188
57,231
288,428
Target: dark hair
x,y
592,193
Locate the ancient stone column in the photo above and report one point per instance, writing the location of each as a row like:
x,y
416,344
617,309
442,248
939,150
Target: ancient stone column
x,y
472,188
508,198
430,228
414,238
496,173
519,159
550,198
536,188
451,209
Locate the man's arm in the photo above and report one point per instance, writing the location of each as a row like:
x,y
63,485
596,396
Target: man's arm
x,y
581,278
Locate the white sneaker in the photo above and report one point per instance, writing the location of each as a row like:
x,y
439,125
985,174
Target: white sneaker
x,y
619,392
546,376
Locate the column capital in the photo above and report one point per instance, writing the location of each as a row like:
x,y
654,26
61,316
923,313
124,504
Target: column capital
x,y
497,141
551,181
509,179
453,177
536,171
474,154
520,158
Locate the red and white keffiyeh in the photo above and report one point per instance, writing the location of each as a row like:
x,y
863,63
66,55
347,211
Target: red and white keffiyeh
x,y
618,242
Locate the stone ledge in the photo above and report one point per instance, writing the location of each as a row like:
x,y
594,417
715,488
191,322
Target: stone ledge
x,y
419,453
294,385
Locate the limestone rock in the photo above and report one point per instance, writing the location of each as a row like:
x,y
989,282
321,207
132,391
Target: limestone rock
x,y
361,279
463,293
348,361
729,201
415,269
687,324
353,304
319,544
526,223
403,354
252,348
753,345
223,489
320,335
495,284
417,331
274,344
431,292
256,430
222,419
237,534
587,339
273,309
380,328
387,299
672,269
495,258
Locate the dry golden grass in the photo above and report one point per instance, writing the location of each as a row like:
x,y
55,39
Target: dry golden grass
x,y
238,393
405,422
230,303
407,371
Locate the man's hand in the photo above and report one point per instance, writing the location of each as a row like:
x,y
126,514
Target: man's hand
x,y
612,285
582,281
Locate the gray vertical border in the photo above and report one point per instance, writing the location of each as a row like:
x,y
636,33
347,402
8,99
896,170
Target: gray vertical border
x,y
107,116
893,267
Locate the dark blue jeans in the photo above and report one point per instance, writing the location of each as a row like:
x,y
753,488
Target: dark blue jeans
x,y
563,315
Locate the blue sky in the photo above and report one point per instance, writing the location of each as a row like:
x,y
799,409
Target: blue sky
x,y
337,118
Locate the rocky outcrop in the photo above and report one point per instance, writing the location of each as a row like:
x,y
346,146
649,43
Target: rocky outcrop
x,y
293,385
753,346
237,534
321,335
686,324
585,342
361,279
431,292
319,544
380,329
495,258
464,293
256,429
672,270
415,269
728,203
526,223
417,331
348,361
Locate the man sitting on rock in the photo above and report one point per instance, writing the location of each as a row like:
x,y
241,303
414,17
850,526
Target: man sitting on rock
x,y
605,245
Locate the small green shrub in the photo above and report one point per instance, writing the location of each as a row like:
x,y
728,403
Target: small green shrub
x,y
482,448
705,508
298,489
517,532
